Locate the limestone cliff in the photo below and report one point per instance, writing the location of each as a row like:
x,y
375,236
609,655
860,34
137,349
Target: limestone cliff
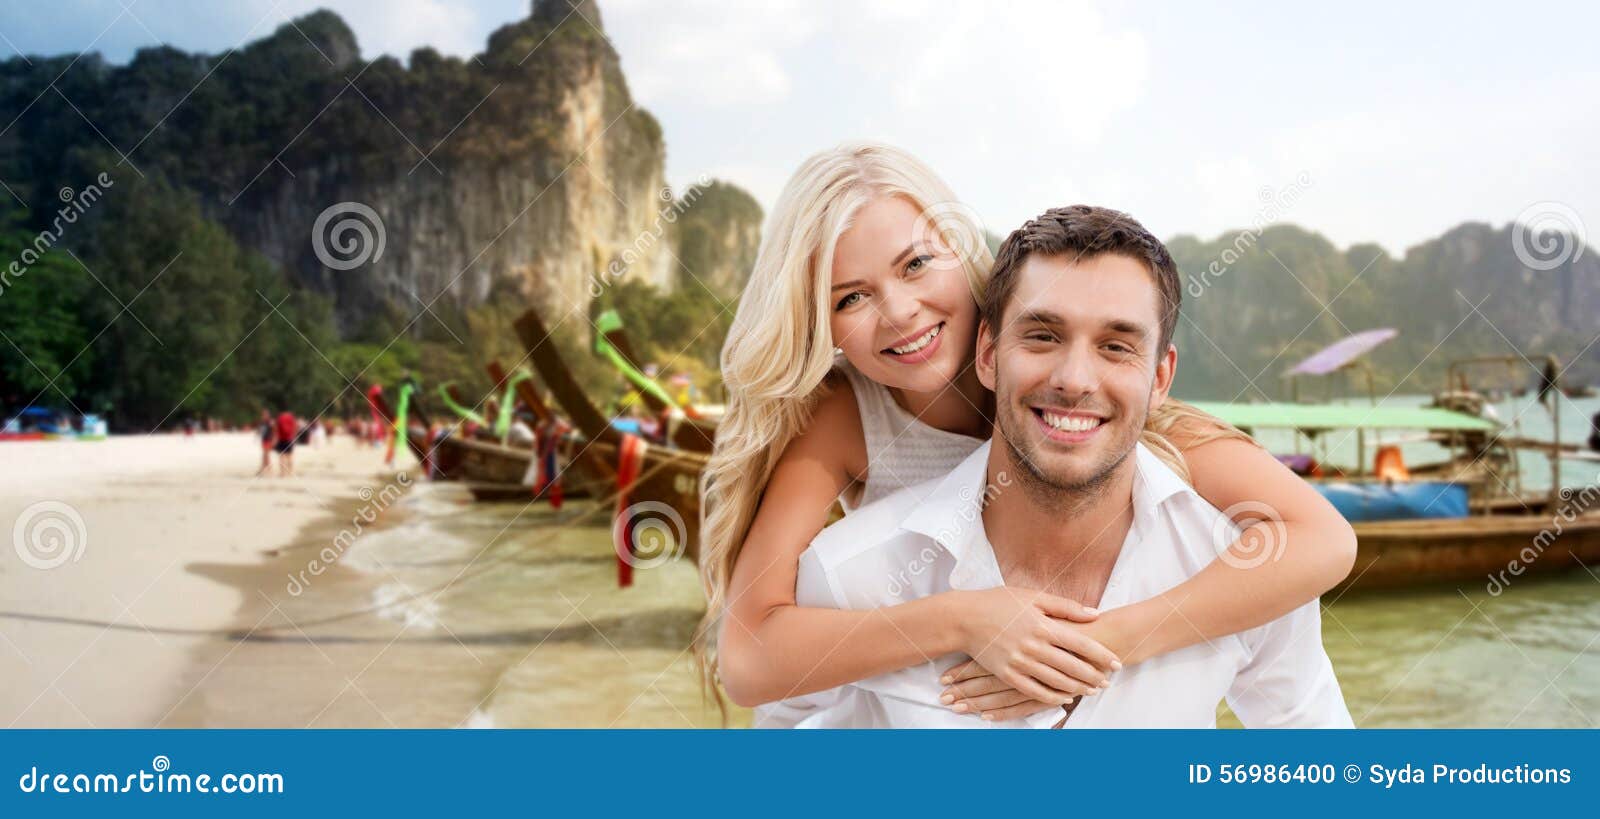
x,y
527,168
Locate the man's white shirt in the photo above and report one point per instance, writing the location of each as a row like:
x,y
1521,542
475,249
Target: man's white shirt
x,y
930,538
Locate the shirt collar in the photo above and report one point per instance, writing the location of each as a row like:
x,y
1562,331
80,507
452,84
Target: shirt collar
x,y
1154,483
951,513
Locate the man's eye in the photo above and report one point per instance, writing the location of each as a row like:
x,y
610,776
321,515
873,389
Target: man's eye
x,y
848,300
1119,348
1040,336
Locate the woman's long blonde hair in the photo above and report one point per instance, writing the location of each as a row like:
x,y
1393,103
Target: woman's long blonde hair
x,y
780,349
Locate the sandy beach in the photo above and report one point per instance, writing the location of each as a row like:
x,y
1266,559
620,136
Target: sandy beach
x,y
148,521
190,593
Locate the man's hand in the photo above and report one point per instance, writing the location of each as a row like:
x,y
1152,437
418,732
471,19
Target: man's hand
x,y
972,690
1033,642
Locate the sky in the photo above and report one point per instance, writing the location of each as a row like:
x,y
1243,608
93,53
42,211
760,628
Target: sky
x,y
1386,122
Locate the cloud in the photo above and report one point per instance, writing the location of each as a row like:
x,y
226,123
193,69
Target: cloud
x,y
995,98
714,54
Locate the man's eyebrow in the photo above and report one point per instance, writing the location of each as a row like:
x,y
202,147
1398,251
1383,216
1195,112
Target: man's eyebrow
x,y
1040,317
1127,327
1052,319
851,283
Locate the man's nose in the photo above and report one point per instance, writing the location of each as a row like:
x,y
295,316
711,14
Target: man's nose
x,y
1076,373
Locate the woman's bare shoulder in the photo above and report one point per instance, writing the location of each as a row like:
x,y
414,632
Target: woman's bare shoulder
x,y
834,432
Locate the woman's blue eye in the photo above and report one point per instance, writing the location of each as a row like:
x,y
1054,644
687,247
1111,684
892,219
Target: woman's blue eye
x,y
847,301
918,263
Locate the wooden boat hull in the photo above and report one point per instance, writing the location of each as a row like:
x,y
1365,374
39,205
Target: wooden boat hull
x,y
1480,549
668,479
484,461
495,472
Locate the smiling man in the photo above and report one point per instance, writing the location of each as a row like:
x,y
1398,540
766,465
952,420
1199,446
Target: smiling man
x,y
1076,342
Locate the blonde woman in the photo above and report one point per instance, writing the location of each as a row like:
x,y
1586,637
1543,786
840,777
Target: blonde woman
x,y
849,372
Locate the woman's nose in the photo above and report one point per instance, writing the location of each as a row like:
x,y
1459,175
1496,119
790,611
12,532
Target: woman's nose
x,y
901,307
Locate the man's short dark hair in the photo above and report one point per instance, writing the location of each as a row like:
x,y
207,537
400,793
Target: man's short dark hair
x,y
1084,232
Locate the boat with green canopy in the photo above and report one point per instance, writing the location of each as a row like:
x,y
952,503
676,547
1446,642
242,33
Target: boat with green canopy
x,y
1466,517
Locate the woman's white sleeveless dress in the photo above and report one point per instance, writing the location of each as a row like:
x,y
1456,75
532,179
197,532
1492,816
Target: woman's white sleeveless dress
x,y
901,451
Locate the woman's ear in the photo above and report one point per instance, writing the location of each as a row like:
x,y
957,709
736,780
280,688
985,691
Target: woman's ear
x,y
985,358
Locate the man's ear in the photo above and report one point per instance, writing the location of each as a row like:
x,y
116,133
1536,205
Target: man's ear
x,y
1166,370
985,359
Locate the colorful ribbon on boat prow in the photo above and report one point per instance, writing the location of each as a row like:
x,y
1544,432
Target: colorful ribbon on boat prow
x,y
548,481
400,429
465,413
374,392
630,458
508,403
609,322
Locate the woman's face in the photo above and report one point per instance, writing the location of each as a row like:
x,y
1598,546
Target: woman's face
x,y
902,310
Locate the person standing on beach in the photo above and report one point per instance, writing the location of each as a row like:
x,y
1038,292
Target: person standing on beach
x,y
288,430
264,431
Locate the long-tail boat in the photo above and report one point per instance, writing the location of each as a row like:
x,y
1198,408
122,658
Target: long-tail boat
x,y
1467,517
659,483
499,470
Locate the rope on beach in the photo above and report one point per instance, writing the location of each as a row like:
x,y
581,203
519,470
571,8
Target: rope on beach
x,y
243,635
510,637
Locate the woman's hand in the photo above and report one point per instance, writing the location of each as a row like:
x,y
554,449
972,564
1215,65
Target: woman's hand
x,y
1031,641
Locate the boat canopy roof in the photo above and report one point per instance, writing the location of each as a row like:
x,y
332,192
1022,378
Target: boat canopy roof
x,y
1337,416
1343,352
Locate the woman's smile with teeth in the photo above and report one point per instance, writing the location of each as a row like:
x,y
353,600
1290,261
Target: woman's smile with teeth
x,y
922,341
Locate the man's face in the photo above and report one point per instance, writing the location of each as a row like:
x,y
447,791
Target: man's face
x,y
1074,366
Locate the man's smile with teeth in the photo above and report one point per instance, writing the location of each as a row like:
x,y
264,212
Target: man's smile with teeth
x,y
922,341
1069,422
